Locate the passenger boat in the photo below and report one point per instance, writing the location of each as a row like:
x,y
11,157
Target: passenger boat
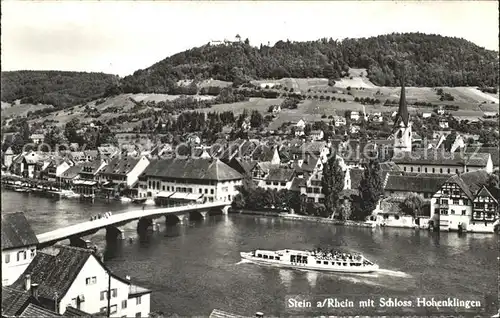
x,y
332,261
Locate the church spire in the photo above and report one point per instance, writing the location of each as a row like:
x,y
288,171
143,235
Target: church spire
x,y
402,114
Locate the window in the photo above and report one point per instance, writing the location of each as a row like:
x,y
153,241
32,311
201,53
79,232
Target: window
x,y
138,300
426,169
211,191
138,315
441,170
7,258
452,211
88,281
404,168
113,309
163,188
206,191
455,201
94,280
448,170
33,252
268,182
200,190
433,170
124,304
418,169
275,183
104,295
411,169
463,212
114,292
318,262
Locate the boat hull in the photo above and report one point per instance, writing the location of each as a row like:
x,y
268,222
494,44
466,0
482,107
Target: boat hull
x,y
337,269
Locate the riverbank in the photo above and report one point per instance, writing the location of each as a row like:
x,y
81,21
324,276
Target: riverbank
x,y
316,219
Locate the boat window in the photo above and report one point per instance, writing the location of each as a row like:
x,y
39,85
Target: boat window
x,y
338,263
304,259
259,255
325,262
318,262
265,256
292,258
345,264
277,258
271,257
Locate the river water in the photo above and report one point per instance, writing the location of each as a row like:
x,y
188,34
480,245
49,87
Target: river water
x,y
195,267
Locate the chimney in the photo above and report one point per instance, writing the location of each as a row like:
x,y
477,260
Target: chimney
x,y
27,282
34,291
259,314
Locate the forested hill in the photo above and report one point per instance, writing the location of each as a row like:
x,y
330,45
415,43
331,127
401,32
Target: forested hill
x,y
57,88
431,60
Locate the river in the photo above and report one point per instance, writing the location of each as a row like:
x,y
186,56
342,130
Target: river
x,y
195,267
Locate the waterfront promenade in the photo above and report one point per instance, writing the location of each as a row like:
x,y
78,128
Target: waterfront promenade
x,y
85,228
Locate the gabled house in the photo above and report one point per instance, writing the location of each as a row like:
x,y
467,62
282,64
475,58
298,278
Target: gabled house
x,y
26,164
23,303
453,204
278,179
37,138
123,171
339,121
8,157
18,246
317,135
55,168
75,277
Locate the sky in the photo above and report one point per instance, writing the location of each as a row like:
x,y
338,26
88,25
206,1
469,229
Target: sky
x,y
120,37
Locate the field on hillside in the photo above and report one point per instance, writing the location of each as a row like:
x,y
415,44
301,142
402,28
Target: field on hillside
x,y
260,104
9,110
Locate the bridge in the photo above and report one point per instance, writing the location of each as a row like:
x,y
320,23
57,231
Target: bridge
x,y
112,223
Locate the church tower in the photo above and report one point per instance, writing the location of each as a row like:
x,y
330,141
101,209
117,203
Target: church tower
x,y
402,132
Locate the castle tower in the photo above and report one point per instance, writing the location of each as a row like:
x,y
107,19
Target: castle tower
x,y
402,125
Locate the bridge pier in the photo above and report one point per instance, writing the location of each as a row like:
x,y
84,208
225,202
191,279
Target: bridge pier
x,y
143,225
183,218
77,241
225,209
203,214
114,233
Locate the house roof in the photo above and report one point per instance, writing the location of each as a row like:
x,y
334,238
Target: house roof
x,y
475,180
13,301
440,158
120,166
33,310
460,182
72,172
280,174
314,147
74,312
200,169
54,269
91,166
484,192
493,151
16,231
297,183
414,184
223,314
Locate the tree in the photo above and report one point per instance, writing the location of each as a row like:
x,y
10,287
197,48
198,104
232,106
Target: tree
x,y
256,119
450,139
370,187
412,205
332,183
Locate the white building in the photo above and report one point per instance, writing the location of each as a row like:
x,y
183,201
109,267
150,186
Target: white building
x,y
339,121
454,203
75,277
18,246
277,179
355,116
196,179
317,135
124,171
